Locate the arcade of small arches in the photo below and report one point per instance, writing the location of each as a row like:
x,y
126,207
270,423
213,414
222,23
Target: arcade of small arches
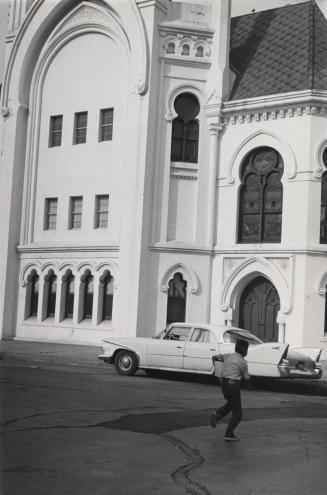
x,y
69,295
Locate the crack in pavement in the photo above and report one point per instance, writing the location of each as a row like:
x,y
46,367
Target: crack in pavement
x,y
71,411
181,475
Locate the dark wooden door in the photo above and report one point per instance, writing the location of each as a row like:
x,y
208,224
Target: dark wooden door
x,y
259,306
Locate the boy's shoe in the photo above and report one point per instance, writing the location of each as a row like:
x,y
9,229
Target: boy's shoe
x,y
231,438
213,419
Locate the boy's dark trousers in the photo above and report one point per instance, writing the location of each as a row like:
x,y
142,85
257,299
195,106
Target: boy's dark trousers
x,y
232,393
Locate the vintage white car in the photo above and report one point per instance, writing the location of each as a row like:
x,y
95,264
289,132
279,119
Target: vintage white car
x,y
189,347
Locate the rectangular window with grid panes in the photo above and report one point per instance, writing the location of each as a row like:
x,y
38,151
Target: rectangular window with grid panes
x,y
101,211
106,124
55,132
80,128
75,216
50,214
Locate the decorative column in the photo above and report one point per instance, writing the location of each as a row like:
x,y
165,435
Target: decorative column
x,y
281,320
215,128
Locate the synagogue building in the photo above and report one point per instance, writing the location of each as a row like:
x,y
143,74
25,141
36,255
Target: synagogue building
x,y
163,161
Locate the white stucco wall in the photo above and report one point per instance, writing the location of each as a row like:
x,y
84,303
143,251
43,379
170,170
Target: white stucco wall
x,y
81,78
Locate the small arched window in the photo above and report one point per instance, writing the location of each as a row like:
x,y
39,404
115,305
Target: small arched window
x,y
199,51
185,129
186,50
108,294
69,286
52,293
88,296
323,207
261,197
171,47
34,294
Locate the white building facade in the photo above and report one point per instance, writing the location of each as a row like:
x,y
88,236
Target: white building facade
x,y
157,166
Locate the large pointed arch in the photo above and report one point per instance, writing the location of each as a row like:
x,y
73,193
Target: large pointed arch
x,y
42,19
247,270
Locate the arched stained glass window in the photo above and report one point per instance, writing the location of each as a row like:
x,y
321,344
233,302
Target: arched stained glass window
x,y
323,207
185,130
261,197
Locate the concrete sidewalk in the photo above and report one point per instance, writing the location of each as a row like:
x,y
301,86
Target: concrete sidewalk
x,y
51,353
64,354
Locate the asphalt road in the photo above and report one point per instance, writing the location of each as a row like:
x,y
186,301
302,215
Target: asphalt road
x,y
72,428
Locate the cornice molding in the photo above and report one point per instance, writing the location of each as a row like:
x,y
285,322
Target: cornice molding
x,y
273,107
66,248
175,247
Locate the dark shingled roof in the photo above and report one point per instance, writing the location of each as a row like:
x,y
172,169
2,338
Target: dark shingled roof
x,y
278,51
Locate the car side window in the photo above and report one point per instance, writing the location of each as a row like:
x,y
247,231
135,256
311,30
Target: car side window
x,y
178,333
200,335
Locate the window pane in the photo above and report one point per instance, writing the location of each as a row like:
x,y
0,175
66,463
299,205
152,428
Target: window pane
x,y
80,128
76,212
102,207
50,220
55,130
323,210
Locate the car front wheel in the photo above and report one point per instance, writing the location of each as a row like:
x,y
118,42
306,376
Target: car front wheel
x,y
126,363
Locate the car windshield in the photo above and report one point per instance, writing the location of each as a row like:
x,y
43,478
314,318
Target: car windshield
x,y
231,336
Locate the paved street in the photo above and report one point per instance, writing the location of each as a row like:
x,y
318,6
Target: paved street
x,y
71,425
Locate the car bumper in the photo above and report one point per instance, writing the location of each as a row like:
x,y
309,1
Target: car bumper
x,y
105,358
287,372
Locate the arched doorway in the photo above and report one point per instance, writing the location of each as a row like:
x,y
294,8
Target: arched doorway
x,y
176,305
259,305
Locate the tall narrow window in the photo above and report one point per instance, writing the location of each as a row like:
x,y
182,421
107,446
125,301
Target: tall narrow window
x,y
52,293
34,301
106,124
55,132
101,211
108,291
76,206
261,197
185,130
88,296
80,128
50,213
69,296
323,209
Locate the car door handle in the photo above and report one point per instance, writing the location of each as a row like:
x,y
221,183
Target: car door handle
x,y
212,348
179,347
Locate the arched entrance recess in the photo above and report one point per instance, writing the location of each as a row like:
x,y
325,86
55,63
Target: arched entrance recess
x,y
259,306
176,305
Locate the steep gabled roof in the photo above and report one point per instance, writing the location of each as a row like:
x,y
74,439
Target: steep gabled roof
x,y
278,51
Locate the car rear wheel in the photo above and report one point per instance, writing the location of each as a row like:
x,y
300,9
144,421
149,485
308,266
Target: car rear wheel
x,y
126,363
